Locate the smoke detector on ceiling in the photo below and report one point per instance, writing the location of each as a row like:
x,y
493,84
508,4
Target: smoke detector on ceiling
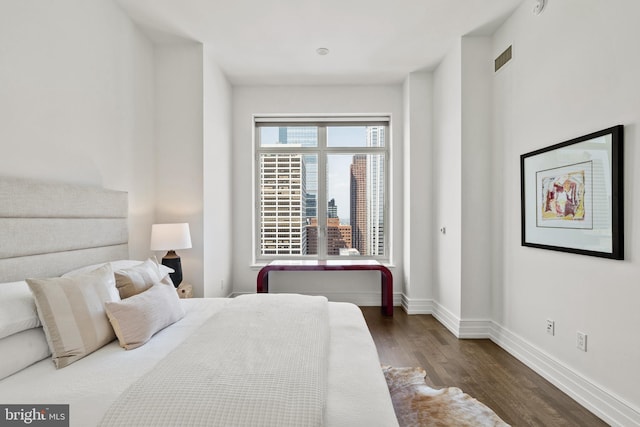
x,y
539,6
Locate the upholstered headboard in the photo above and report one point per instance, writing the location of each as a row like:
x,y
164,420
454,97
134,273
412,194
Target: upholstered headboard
x,y
47,229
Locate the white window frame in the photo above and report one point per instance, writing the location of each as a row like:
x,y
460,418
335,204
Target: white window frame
x,y
322,123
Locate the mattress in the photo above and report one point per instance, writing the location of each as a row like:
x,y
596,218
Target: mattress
x,y
357,392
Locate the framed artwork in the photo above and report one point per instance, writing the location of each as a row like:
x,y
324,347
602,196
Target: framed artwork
x,y
572,195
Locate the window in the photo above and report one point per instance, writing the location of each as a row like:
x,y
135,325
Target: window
x,y
322,187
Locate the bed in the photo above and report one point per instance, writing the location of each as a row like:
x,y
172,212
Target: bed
x,y
254,360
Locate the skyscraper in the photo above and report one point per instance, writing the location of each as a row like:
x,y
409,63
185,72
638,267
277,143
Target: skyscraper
x,y
367,197
375,192
282,209
305,136
358,195
332,209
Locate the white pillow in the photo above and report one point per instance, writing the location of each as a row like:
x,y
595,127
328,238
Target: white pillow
x,y
21,350
115,265
134,280
136,319
72,313
122,265
17,309
164,272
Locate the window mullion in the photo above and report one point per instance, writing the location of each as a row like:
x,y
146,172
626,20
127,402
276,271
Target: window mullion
x,y
322,192
257,212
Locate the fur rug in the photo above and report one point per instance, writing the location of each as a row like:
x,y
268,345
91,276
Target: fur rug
x,y
418,405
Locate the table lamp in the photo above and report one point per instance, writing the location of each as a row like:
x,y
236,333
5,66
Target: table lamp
x,y
169,237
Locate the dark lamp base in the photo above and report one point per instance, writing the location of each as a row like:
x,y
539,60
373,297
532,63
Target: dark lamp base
x,y
172,260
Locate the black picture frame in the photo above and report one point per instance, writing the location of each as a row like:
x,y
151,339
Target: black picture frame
x,y
572,195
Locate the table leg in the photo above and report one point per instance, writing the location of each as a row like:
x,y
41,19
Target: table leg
x,y
387,292
263,281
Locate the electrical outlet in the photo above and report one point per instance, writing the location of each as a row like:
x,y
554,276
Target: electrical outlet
x,y
551,327
581,341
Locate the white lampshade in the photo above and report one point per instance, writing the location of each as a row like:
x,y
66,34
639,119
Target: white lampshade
x,y
166,237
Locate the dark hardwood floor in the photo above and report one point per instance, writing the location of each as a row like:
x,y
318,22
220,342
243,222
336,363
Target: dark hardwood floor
x,y
478,367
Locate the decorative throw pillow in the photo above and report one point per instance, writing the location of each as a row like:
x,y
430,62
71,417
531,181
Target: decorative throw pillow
x,y
136,319
17,309
134,280
72,313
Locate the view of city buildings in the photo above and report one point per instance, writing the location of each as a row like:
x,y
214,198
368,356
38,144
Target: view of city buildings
x,y
303,136
375,194
358,197
283,208
338,236
289,195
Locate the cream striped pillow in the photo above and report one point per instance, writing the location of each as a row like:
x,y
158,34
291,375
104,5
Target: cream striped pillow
x,y
135,320
72,313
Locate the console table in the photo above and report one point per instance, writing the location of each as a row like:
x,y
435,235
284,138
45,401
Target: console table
x,y
386,279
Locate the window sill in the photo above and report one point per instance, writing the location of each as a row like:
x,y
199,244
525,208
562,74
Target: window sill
x,y
258,265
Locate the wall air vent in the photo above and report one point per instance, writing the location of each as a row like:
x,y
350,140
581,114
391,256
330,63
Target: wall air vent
x,y
503,58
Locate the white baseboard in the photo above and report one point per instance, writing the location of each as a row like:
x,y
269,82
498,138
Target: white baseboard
x,y
463,329
447,318
475,329
416,306
611,408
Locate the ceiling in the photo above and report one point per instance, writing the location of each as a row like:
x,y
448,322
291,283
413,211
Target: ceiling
x,y
258,42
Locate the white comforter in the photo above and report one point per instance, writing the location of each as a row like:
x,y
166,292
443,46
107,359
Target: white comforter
x,y
261,361
357,395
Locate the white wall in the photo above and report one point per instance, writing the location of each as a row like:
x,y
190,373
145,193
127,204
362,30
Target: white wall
x,y
447,160
317,100
462,179
477,188
77,101
85,97
575,70
419,230
193,156
218,238
179,149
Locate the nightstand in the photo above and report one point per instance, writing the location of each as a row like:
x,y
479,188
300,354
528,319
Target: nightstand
x,y
185,290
